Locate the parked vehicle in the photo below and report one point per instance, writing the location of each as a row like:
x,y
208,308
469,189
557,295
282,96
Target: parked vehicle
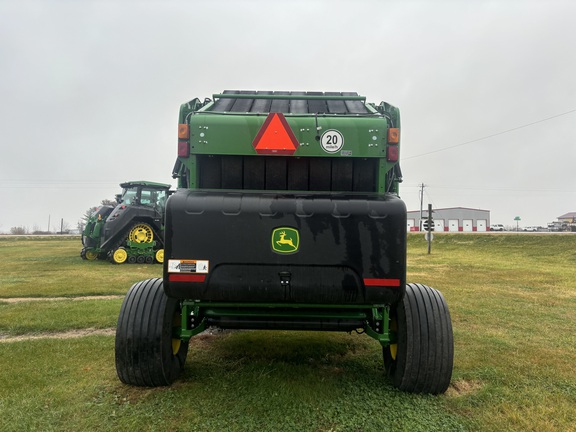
x,y
497,227
287,216
131,232
562,226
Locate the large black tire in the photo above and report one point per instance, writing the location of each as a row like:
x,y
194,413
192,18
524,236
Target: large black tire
x,y
146,353
422,359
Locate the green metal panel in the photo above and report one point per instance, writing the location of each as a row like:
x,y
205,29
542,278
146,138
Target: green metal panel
x,y
360,135
233,134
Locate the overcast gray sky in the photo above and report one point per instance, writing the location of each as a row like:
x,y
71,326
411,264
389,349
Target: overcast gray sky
x,y
90,92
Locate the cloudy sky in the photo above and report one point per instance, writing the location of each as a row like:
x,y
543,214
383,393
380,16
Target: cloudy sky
x,y
90,92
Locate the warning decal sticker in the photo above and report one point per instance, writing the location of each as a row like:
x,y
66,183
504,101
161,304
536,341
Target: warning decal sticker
x,y
188,266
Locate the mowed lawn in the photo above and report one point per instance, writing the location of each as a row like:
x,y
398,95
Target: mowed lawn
x,y
513,305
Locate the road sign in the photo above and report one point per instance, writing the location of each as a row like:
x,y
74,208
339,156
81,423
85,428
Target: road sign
x,y
425,225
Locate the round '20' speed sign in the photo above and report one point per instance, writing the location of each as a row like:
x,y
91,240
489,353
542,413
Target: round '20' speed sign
x,y
332,141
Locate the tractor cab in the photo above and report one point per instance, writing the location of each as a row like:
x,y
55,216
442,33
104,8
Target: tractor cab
x,y
151,195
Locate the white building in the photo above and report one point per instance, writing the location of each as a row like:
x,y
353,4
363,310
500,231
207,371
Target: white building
x,y
452,219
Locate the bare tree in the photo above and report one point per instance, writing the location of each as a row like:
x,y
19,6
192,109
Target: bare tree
x,y
112,203
19,230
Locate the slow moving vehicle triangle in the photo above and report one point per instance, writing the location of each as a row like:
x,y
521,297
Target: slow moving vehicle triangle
x,y
275,136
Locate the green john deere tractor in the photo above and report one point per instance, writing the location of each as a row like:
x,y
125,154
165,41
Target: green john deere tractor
x,y
131,232
287,216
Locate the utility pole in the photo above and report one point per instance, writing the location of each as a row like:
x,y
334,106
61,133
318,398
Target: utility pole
x,y
422,185
429,233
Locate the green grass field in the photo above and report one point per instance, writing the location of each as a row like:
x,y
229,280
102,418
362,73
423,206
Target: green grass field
x,y
513,305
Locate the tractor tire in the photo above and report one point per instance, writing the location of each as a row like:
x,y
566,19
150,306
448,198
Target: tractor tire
x,y
119,256
141,233
159,256
147,355
422,359
91,255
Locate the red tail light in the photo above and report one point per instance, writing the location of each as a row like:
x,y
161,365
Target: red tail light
x,y
183,149
392,153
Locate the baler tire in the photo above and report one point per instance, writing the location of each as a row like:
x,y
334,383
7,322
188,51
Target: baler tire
x,y
423,358
147,355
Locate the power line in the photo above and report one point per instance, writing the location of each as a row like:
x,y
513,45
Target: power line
x,y
489,136
57,186
43,181
430,200
496,188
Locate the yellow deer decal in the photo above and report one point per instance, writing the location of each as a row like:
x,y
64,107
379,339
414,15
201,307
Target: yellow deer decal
x,y
283,240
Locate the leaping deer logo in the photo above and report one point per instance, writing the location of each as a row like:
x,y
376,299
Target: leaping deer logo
x,y
285,240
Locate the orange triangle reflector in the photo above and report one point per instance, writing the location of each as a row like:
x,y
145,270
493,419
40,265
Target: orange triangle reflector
x,y
275,136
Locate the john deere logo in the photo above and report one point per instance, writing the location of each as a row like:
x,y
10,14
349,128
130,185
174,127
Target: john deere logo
x,y
285,240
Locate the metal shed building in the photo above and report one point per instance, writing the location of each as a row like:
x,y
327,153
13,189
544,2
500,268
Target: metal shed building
x,y
454,219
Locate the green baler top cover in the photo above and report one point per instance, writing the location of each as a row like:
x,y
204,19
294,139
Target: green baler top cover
x,y
330,124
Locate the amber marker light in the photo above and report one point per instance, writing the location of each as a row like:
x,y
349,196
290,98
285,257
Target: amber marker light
x,y
393,135
183,131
